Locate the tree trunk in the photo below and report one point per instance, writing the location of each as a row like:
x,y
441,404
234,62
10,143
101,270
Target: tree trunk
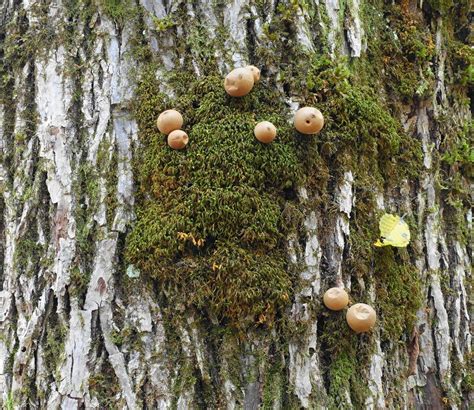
x,y
94,313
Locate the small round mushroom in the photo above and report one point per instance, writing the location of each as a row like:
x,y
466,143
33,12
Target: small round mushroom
x,y
255,72
336,299
309,120
178,139
361,317
239,82
169,120
265,132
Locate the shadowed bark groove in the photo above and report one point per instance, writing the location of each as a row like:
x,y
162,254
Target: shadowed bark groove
x,y
81,83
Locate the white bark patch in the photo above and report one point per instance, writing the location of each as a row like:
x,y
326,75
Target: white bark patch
x,y
186,395
432,229
125,130
207,11
185,400
105,84
432,234
303,32
441,329
119,67
198,344
157,10
7,301
53,99
6,304
96,103
257,23
434,327
440,91
312,255
56,135
354,29
336,40
423,131
332,8
155,7
234,20
377,399
74,371
143,315
304,364
116,358
462,335
345,199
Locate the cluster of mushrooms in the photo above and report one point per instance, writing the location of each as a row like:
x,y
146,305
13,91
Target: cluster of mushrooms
x,y
307,120
239,82
360,317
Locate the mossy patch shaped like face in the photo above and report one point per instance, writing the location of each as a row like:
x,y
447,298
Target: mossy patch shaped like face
x,y
309,120
212,221
239,82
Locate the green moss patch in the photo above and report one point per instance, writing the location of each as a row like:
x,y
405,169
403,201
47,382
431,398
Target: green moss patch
x,y
211,221
398,291
346,360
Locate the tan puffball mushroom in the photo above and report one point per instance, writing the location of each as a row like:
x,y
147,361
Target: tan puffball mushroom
x,y
361,317
265,132
239,82
336,299
309,120
169,120
178,139
255,72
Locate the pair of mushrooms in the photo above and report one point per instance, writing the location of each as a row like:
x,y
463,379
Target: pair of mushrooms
x,y
169,122
240,81
308,120
360,317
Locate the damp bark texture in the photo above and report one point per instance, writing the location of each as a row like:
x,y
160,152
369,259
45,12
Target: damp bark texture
x,y
82,327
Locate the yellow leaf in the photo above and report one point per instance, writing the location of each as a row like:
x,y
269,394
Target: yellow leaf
x,y
394,231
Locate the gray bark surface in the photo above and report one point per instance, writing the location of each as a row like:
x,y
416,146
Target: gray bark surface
x,y
69,75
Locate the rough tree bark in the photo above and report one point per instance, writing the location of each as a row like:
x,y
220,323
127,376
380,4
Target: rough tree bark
x,y
77,332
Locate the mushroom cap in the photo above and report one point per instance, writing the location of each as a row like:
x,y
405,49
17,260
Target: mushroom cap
x,y
361,317
255,72
265,132
309,120
336,298
239,82
178,139
169,120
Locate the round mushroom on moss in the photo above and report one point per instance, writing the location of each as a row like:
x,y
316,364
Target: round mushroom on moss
x,y
169,120
239,82
178,139
309,120
265,132
361,317
336,298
